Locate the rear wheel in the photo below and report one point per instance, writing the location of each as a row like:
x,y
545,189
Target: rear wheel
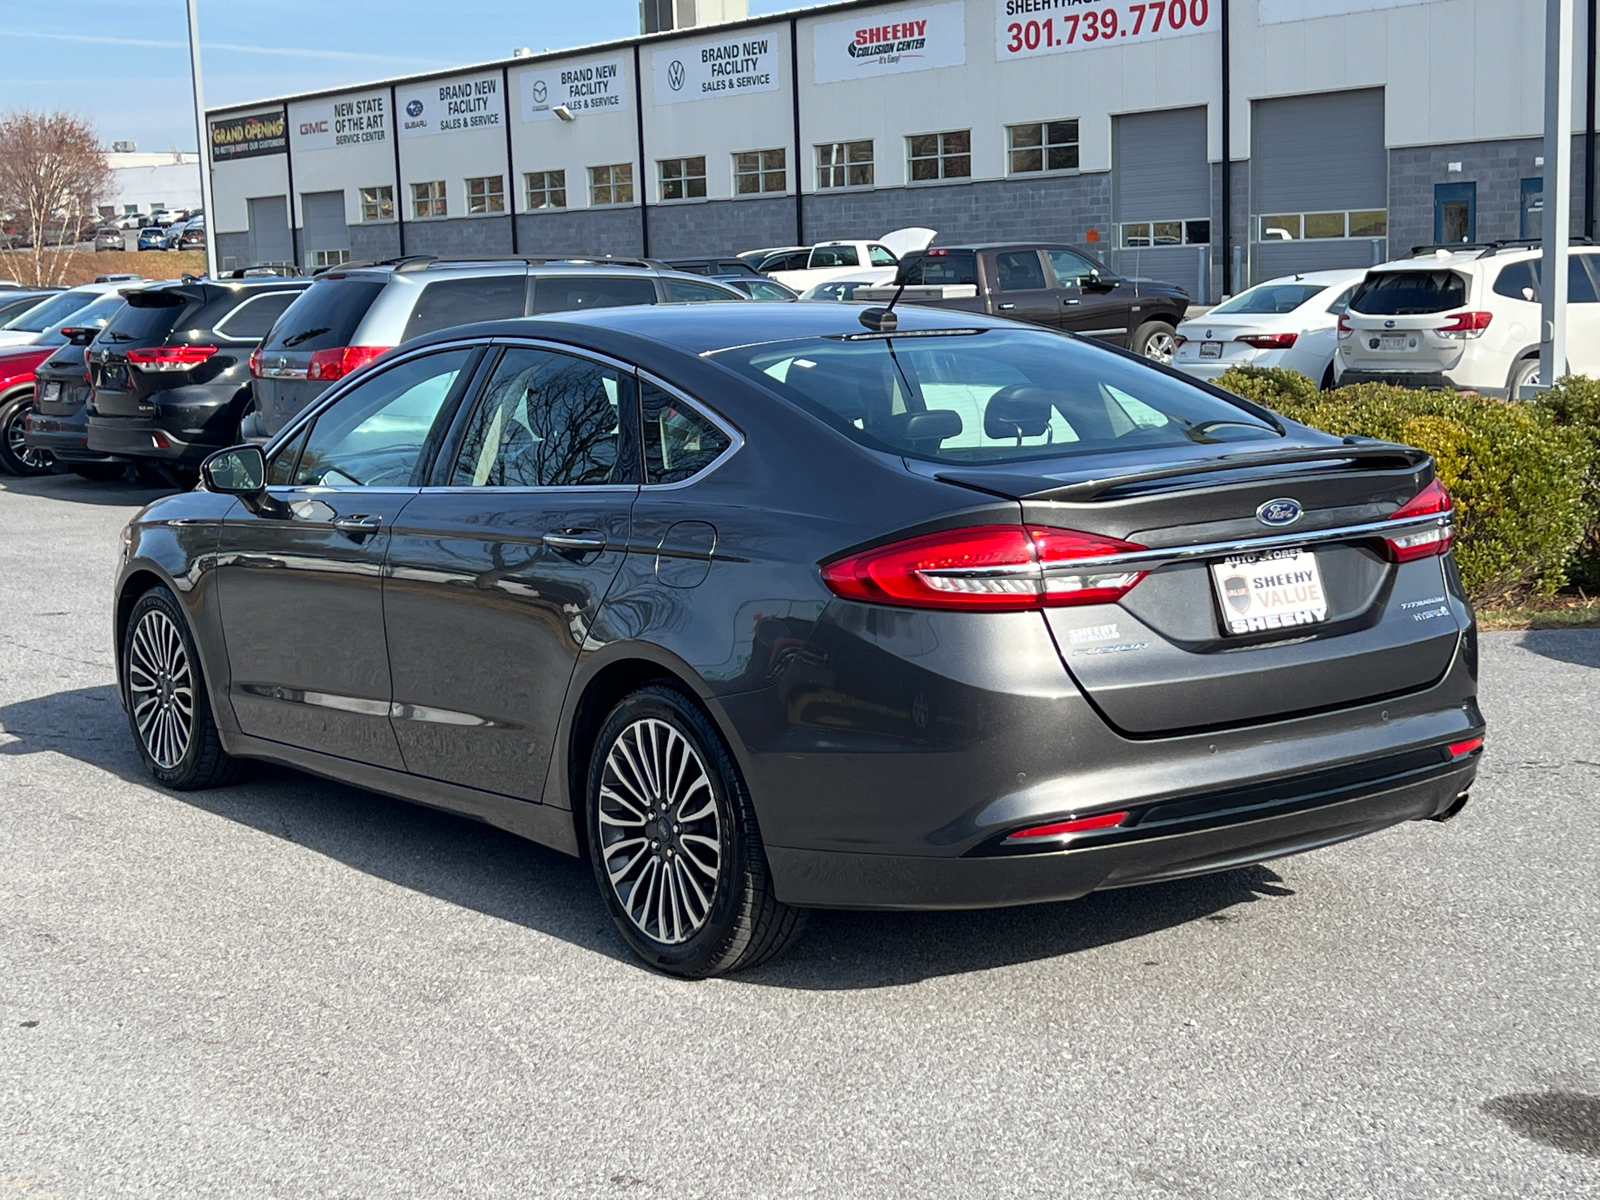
x,y
99,472
16,455
1155,340
673,841
1327,380
1523,376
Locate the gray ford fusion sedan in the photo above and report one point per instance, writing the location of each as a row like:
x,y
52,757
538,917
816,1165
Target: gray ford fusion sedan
x,y
768,607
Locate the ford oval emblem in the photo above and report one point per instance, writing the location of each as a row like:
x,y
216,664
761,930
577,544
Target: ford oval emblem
x,y
1282,511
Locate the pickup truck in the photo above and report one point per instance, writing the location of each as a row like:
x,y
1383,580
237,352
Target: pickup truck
x,y
1045,285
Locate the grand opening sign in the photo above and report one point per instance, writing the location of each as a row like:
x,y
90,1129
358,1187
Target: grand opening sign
x,y
1028,28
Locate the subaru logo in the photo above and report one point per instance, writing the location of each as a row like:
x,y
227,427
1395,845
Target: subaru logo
x,y
1282,511
675,75
1388,324
414,109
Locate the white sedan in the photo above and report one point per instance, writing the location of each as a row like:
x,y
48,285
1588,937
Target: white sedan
x,y
1290,322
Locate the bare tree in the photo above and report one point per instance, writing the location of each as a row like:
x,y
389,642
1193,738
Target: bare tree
x,y
52,171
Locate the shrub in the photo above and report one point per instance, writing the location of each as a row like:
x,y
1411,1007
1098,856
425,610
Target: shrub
x,y
1520,473
1574,402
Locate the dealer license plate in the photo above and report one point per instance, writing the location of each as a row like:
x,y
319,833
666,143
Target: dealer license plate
x,y
114,377
1392,341
1277,590
51,391
1210,349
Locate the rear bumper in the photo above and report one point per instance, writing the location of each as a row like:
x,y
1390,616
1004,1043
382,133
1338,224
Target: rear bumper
x,y
65,437
833,879
143,437
1407,379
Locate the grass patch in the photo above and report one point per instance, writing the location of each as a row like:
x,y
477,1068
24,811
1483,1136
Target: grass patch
x,y
1549,612
83,266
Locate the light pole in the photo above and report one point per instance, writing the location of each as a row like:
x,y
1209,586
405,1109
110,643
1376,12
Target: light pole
x,y
1557,190
205,142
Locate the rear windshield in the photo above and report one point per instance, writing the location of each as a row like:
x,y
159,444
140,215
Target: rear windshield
x,y
940,266
1271,298
148,317
1406,293
52,311
569,293
325,316
450,302
991,396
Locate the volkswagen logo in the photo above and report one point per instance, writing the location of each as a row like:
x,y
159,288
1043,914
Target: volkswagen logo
x,y
541,92
675,75
414,109
1282,511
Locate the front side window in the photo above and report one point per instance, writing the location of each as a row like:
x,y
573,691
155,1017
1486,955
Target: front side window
x,y
881,256
546,189
545,420
377,203
940,155
1071,268
611,184
757,171
844,164
679,442
683,178
427,199
486,194
373,435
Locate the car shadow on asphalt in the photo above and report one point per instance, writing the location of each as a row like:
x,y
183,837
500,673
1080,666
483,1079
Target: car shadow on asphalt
x,y
465,862
1578,646
70,489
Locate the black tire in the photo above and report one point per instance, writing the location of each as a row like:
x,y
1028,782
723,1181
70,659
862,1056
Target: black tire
x,y
15,456
1328,380
741,923
1523,372
98,472
169,710
1155,340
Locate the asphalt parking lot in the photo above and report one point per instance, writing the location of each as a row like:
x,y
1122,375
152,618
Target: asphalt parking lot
x,y
293,988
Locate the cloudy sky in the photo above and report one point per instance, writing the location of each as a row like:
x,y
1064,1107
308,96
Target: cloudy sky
x,y
126,66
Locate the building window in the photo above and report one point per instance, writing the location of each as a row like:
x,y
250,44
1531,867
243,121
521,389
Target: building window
x,y
1294,227
130,210
546,189
1043,146
427,199
682,178
611,185
486,194
1142,234
329,258
377,203
844,164
757,171
940,155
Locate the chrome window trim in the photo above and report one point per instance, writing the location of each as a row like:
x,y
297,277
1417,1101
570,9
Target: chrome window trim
x,y
735,438
218,329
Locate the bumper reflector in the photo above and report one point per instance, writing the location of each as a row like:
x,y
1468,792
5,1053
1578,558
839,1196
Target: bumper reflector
x,y
1457,749
1079,825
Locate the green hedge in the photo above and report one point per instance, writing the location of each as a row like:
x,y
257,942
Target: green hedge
x,y
1525,476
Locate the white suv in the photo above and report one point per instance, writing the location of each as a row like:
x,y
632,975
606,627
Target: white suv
x,y
1467,319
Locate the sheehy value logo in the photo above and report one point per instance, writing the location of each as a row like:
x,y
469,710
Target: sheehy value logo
x,y
1236,590
675,75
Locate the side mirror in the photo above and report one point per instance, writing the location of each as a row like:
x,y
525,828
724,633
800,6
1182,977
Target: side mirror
x,y
79,335
242,471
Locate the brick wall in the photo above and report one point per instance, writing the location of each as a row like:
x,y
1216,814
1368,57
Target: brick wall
x,y
459,237
721,226
233,250
375,242
1053,208
580,231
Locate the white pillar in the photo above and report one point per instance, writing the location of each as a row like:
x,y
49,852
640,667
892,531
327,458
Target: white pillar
x,y
205,141
1557,190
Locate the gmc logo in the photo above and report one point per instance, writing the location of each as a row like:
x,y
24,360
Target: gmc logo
x,y
313,127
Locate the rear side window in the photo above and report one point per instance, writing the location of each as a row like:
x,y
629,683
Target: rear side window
x,y
465,301
835,256
679,443
789,260
325,315
695,293
1407,293
253,320
1019,270
52,311
570,293
1520,281
940,266
148,317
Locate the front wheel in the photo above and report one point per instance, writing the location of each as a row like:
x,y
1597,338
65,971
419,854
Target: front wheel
x,y
1157,341
16,455
673,841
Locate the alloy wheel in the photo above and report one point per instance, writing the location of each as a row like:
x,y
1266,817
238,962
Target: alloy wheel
x,y
161,689
661,831
16,441
1160,347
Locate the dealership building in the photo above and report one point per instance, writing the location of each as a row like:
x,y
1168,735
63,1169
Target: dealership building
x,y
1351,131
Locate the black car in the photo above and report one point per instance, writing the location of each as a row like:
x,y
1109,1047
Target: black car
x,y
171,372
58,424
764,607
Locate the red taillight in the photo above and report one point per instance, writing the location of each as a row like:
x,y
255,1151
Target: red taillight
x,y
255,363
1466,324
1269,341
169,358
992,568
340,361
1344,326
1431,500
1058,828
1457,749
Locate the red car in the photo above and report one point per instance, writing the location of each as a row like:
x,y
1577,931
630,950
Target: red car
x,y
17,364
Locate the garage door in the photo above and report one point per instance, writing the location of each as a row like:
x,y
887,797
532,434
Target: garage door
x,y
326,236
1319,182
1161,196
269,230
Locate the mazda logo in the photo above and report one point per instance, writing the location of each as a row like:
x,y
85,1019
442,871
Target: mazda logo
x,y
540,92
675,75
414,109
1282,511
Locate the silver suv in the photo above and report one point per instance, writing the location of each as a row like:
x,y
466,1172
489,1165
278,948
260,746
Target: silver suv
x,y
353,313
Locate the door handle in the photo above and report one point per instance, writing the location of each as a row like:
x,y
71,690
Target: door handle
x,y
1075,300
1004,307
576,541
357,527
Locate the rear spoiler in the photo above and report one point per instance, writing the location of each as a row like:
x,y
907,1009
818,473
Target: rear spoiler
x,y
1374,455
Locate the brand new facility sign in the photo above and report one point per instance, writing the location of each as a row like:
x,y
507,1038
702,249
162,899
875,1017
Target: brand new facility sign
x,y
878,42
597,86
457,105
249,137
1276,11
346,121
705,70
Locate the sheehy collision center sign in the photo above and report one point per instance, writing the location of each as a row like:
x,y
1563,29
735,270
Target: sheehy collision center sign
x,y
1028,28
883,43
703,70
451,106
346,121
584,87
